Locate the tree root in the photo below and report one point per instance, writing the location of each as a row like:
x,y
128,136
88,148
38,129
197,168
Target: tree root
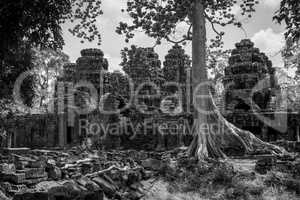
x,y
209,142
113,167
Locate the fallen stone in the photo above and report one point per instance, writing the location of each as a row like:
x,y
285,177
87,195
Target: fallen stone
x,y
17,189
107,187
255,190
3,196
133,177
31,195
133,195
265,164
20,164
54,173
292,184
88,184
34,181
147,174
9,151
7,168
98,195
13,177
33,172
47,185
152,164
37,164
72,188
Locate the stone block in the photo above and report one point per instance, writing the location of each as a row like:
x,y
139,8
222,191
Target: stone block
x,y
88,184
148,174
37,164
20,165
152,164
292,184
107,187
6,186
98,195
13,177
7,168
265,164
3,196
17,189
35,180
86,168
33,172
31,195
18,151
54,173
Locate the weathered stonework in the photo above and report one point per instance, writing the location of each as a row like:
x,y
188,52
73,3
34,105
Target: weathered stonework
x,y
248,68
250,91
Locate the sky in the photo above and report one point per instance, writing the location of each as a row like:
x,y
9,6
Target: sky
x,y
265,33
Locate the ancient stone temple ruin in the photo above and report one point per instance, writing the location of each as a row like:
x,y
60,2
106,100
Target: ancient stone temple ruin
x,y
81,97
252,96
177,69
252,100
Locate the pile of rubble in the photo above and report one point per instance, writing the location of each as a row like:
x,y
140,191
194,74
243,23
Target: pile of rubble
x,y
265,164
291,146
75,174
282,171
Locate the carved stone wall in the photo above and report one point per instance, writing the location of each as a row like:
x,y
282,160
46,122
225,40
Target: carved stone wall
x,y
35,131
250,89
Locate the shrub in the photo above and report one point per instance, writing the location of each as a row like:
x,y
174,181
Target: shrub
x,y
223,173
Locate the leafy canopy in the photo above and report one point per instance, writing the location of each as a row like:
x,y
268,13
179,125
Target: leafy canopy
x,y
161,18
289,13
38,22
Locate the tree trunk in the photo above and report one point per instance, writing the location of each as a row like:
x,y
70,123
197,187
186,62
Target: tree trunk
x,y
211,130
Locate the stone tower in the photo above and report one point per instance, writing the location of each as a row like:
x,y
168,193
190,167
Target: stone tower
x,y
89,67
176,64
249,79
177,68
74,88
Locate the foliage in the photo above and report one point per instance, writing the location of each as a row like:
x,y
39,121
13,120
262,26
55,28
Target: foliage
x,y
289,13
291,55
160,19
37,23
195,176
9,72
48,65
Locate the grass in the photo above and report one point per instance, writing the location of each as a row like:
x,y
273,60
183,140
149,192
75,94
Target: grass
x,y
218,181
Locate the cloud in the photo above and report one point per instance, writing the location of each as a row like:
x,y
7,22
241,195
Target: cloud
x,y
271,3
270,43
235,9
112,11
114,63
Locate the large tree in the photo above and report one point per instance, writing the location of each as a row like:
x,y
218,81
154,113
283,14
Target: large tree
x,y
25,24
159,19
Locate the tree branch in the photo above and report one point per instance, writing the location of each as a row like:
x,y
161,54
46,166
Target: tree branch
x,y
183,39
212,24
